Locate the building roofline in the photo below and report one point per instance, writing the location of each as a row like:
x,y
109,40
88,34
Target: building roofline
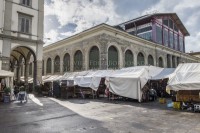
x,y
109,28
173,15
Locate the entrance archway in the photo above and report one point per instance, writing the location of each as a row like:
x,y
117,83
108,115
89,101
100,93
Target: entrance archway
x,y
20,59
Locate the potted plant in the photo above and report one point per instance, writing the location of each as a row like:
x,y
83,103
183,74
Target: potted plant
x,y
7,91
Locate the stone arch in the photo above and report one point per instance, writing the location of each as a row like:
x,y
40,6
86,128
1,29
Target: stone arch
x,y
140,59
150,60
66,62
168,61
160,62
57,64
49,66
94,57
78,60
129,58
113,57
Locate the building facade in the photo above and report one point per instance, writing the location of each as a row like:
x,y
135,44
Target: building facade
x,y
115,47
21,37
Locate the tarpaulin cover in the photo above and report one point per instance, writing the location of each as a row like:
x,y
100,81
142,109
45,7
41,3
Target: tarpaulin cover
x,y
4,74
128,82
165,73
185,77
52,78
92,78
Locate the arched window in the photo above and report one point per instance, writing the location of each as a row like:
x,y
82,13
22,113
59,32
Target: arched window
x,y
173,61
78,61
94,58
112,58
140,59
168,61
57,64
66,63
150,60
129,58
160,62
48,67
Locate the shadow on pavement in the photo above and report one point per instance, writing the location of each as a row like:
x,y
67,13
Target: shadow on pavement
x,y
50,118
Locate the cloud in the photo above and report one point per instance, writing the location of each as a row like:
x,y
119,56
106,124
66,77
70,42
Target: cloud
x,y
74,16
51,36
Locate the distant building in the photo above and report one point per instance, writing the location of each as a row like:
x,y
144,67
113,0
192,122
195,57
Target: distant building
x,y
157,39
196,54
21,37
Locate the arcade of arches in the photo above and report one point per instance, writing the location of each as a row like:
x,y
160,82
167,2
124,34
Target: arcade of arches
x,y
24,64
63,64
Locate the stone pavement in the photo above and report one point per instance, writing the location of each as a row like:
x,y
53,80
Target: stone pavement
x,y
89,116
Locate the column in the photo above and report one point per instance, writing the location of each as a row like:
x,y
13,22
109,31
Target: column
x,y
52,66
39,71
26,73
103,55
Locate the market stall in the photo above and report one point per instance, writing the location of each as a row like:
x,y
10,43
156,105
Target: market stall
x,y
130,82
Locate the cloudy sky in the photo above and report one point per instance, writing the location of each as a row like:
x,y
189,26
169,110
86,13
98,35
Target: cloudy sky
x,y
64,18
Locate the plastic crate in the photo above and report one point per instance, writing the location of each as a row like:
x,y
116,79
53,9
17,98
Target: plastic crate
x,y
177,105
162,100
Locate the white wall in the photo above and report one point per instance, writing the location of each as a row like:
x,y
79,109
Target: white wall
x,y
22,9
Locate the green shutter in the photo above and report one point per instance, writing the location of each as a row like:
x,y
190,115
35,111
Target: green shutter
x,y
160,62
57,64
66,63
129,59
94,58
78,61
112,58
150,60
48,67
140,59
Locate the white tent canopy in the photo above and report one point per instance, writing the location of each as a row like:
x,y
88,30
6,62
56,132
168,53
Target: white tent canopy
x,y
52,78
92,78
185,77
128,82
4,74
165,73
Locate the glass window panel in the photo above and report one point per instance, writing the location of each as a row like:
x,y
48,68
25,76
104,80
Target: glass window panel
x,y
171,39
27,26
175,42
181,43
147,35
170,23
165,37
165,22
159,34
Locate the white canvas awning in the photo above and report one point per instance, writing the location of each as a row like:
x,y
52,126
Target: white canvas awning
x,y
4,74
165,73
185,77
128,82
52,78
92,78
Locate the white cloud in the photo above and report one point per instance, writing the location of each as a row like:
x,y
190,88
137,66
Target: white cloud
x,y
86,14
51,36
